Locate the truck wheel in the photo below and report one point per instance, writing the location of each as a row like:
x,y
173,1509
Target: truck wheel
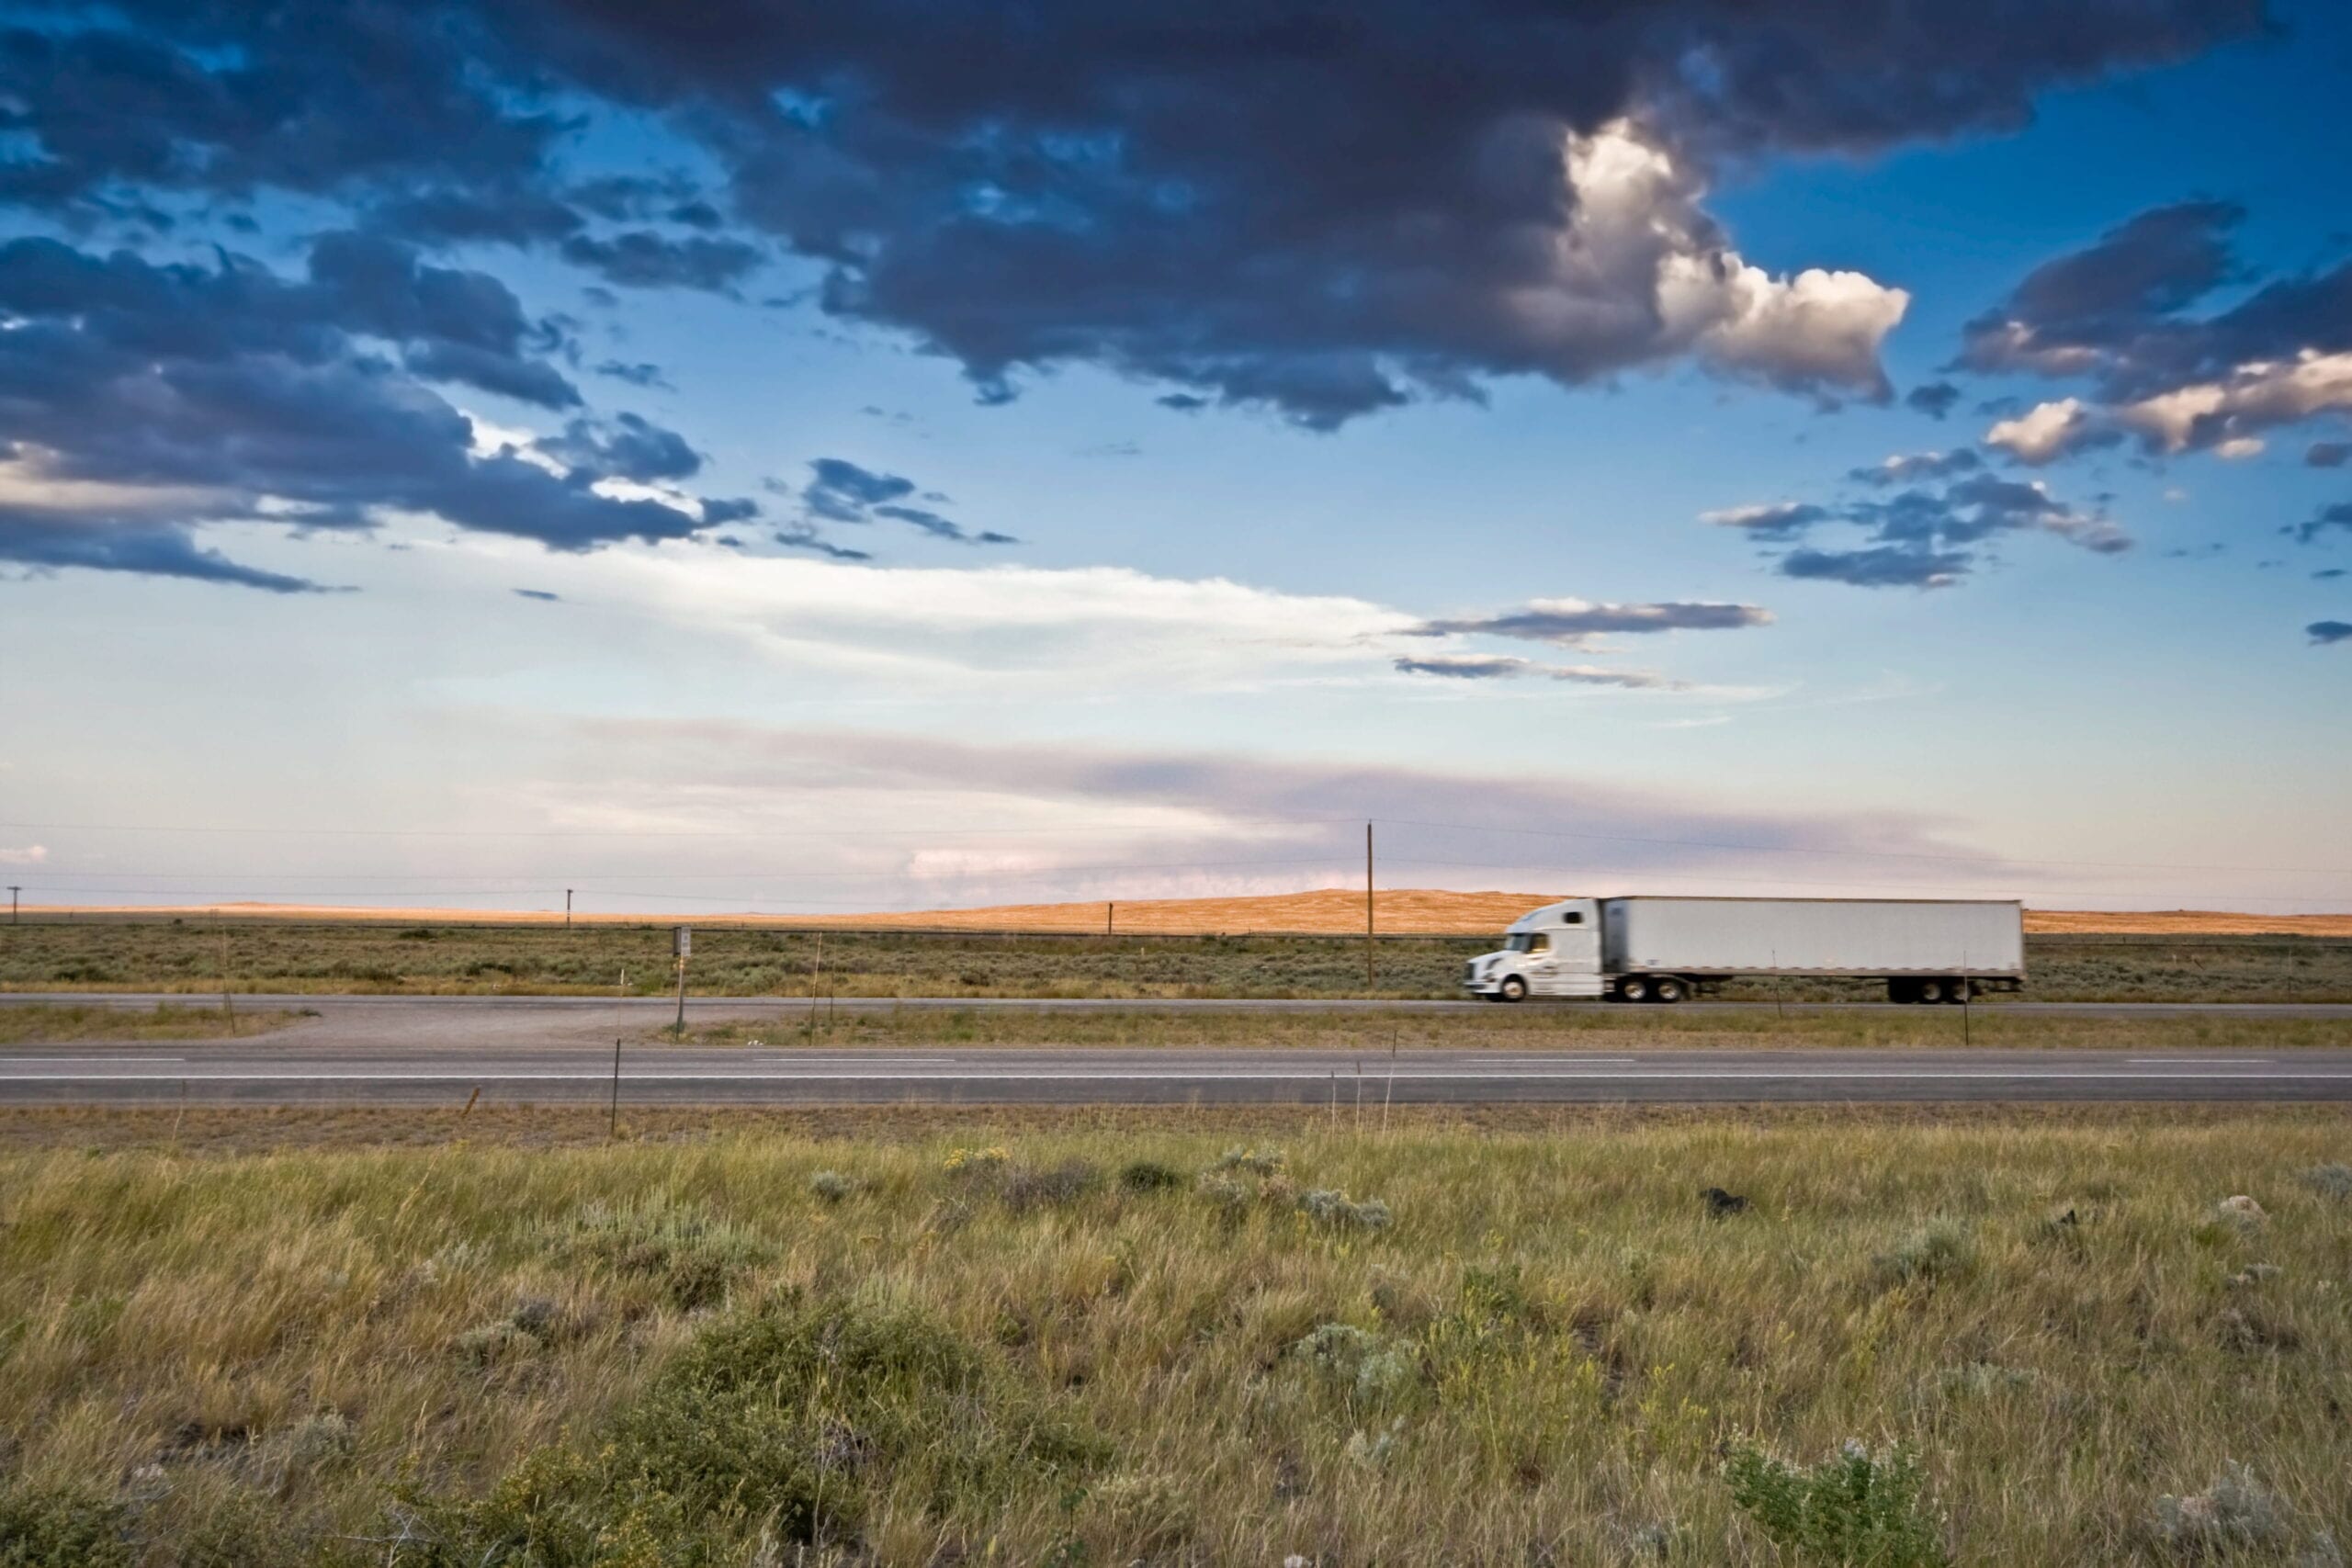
x,y
1514,990
1668,989
1633,988
1956,992
1930,991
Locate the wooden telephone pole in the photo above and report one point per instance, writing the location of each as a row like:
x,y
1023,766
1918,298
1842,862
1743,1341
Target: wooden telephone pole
x,y
1368,979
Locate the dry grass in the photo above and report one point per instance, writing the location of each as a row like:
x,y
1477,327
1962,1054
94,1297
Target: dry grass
x,y
1589,1027
1334,911
1543,1358
48,1023
372,956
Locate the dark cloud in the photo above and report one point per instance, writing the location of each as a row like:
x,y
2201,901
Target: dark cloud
x,y
801,536
2336,516
1778,520
629,448
185,395
2327,453
1481,667
1571,621
224,99
2159,262
151,548
1925,536
1878,565
640,258
2323,632
1909,467
637,374
1328,210
932,522
2328,575
843,492
1464,668
2116,315
542,594
1935,398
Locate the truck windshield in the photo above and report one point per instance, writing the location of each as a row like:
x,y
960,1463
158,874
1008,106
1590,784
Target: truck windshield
x,y
1528,942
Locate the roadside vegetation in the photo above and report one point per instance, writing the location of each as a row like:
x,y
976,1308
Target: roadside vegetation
x,y
49,1023
2110,1338
1531,1027
189,954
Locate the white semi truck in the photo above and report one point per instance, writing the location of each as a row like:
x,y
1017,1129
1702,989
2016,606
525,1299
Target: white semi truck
x,y
1662,950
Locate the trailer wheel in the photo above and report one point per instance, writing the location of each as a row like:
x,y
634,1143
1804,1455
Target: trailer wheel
x,y
1903,992
1668,989
1514,990
1633,988
1930,991
1956,992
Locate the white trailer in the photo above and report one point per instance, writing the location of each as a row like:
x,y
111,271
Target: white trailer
x,y
1663,949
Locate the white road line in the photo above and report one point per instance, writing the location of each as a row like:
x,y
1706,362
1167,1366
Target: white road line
x,y
1735,1076
2185,1061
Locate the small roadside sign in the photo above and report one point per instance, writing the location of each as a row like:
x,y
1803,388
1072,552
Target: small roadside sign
x,y
682,941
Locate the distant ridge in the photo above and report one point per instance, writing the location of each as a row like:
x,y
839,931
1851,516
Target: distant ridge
x,y
1339,911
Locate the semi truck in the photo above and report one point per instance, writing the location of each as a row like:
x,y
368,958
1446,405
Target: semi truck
x,y
1665,949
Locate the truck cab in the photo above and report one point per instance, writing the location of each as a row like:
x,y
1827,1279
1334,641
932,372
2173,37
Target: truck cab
x,y
1551,951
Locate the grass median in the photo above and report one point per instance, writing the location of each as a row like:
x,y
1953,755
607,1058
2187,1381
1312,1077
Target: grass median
x,y
57,1023
1986,1339
1535,1027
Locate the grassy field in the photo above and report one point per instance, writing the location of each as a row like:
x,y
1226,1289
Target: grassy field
x,y
1105,1341
350,956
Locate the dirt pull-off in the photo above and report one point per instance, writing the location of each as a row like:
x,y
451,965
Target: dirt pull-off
x,y
1403,911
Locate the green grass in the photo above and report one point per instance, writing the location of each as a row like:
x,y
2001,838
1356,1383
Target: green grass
x,y
59,1024
175,954
1116,1339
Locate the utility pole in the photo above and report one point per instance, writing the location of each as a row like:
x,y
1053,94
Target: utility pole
x,y
1368,980
567,909
13,891
1109,918
682,942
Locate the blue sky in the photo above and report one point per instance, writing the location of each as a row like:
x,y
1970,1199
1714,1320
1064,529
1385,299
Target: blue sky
x,y
1492,460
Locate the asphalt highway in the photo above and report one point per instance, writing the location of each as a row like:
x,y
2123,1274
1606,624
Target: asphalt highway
x,y
256,1072
438,1050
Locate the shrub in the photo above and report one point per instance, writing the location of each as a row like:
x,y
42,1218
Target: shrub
x,y
2232,1513
62,1527
1149,1175
1368,1368
1067,1183
832,1186
693,1255
1326,1207
1854,1509
792,1418
1257,1162
1935,1251
2329,1180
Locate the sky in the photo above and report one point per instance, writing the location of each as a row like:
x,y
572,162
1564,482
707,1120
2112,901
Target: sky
x,y
741,458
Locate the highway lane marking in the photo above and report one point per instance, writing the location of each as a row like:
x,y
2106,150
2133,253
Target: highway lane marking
x,y
2187,1061
1763,1074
